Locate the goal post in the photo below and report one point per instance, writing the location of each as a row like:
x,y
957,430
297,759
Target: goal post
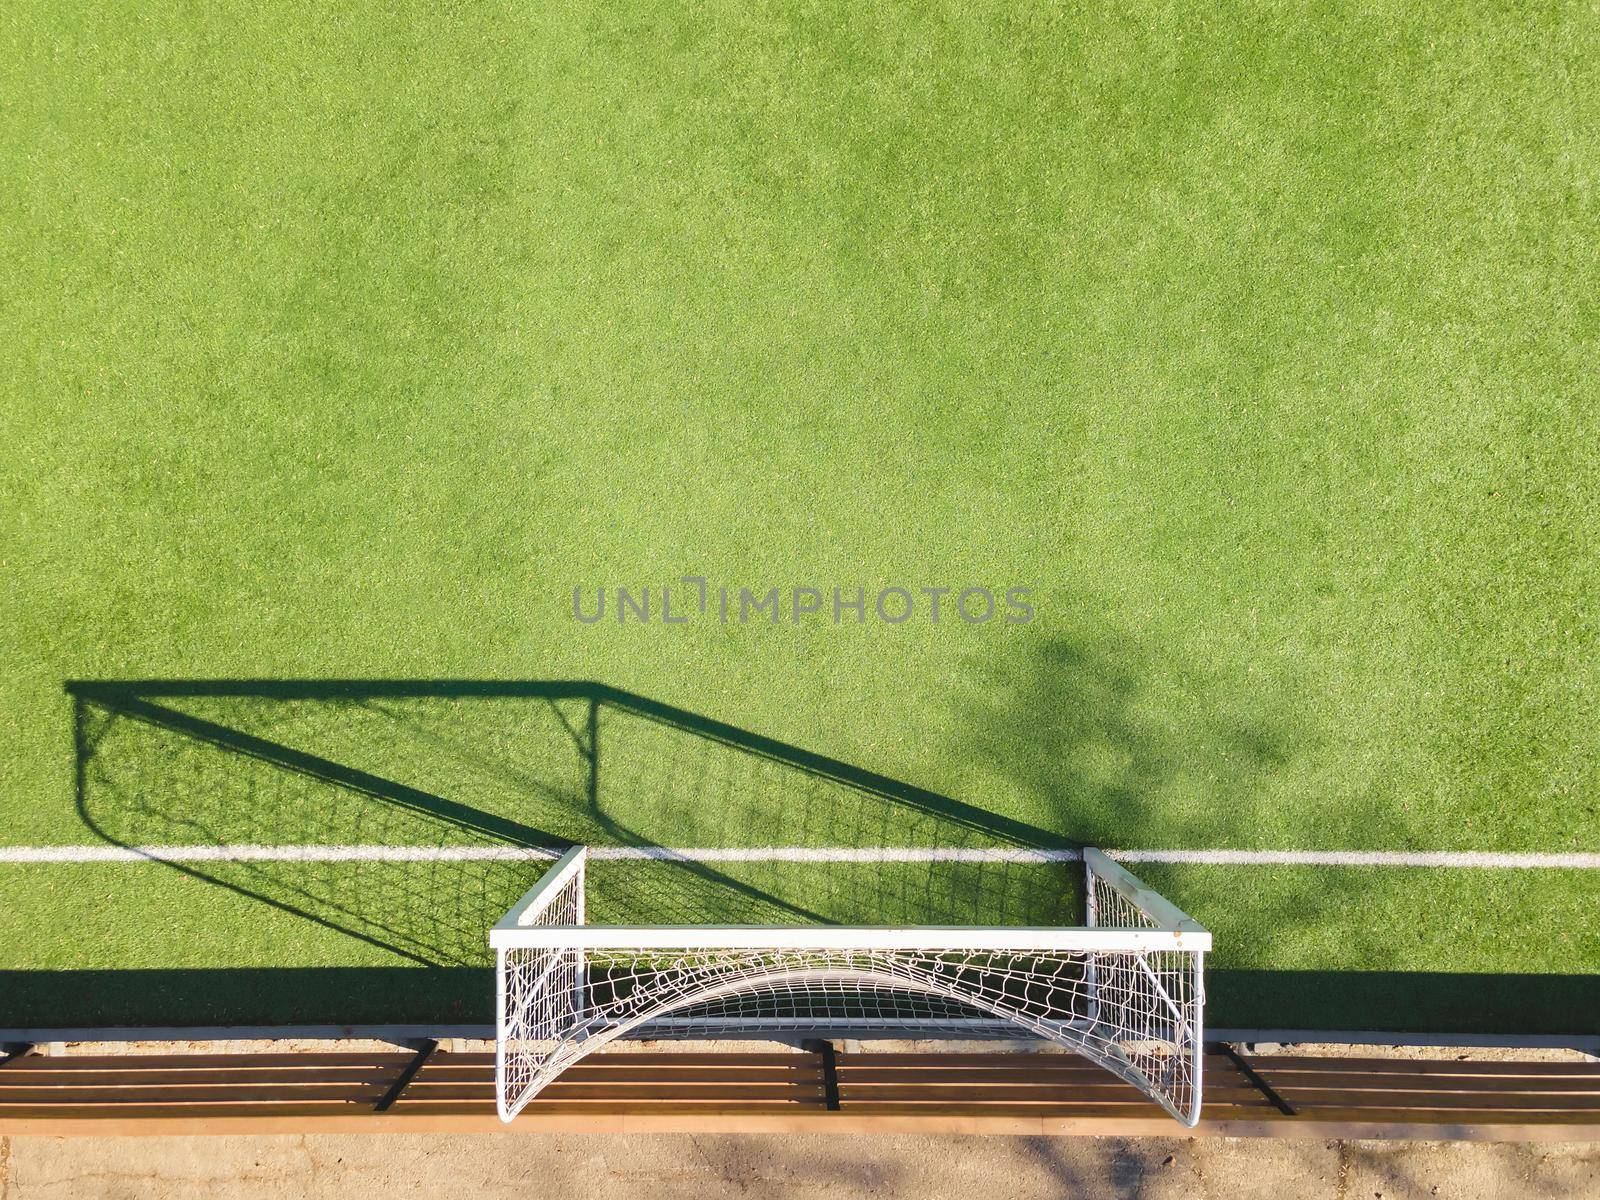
x,y
1125,990
540,991
1149,1005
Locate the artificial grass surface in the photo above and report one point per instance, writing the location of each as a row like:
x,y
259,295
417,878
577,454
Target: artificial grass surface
x,y
1259,344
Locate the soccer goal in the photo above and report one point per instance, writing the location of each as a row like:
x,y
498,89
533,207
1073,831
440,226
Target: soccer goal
x,y
1124,990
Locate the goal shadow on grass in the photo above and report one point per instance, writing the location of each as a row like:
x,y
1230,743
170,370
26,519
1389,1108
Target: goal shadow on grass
x,y
467,767
428,807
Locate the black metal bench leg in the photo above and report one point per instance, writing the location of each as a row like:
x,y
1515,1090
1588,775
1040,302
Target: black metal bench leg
x,y
1266,1089
830,1070
425,1048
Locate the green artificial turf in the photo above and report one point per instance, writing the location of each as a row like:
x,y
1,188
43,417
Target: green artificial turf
x,y
1260,344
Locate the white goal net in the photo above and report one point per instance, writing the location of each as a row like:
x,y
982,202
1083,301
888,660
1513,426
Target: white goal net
x,y
1125,990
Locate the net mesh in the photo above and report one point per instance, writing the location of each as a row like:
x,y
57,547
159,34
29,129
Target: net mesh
x,y
350,781
660,784
1135,1012
541,995
1147,1005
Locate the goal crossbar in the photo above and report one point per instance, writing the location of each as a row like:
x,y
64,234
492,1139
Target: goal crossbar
x,y
886,937
1175,929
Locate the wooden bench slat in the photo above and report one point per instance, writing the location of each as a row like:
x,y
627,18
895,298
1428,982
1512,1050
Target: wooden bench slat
x,y
247,1093
978,1087
1488,1085
1419,1066
980,1098
976,1060
1425,1099
102,1112
1087,1111
805,1072
486,1090
934,1077
202,1062
606,1059
560,1090
603,1108
47,1080
855,1069
1006,1094
1450,1116
232,1101
673,1059
143,1092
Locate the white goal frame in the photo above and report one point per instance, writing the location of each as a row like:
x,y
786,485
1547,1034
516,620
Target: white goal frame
x,y
1125,990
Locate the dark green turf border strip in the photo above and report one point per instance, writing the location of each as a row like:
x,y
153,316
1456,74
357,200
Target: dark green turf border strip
x,y
1397,1002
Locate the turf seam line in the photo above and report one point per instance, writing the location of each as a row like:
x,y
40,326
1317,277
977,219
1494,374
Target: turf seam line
x,y
1492,860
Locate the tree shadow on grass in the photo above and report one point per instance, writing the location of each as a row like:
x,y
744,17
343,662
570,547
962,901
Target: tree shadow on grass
x,y
1122,748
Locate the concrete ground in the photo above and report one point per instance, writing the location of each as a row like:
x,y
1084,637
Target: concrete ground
x,y
664,1167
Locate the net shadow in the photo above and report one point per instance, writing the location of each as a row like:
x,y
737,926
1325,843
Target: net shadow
x,y
431,806
163,775
669,778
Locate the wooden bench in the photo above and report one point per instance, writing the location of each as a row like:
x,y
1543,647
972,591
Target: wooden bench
x,y
1268,1096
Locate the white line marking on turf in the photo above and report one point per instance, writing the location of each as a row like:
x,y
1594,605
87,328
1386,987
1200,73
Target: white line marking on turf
x,y
832,854
1363,858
